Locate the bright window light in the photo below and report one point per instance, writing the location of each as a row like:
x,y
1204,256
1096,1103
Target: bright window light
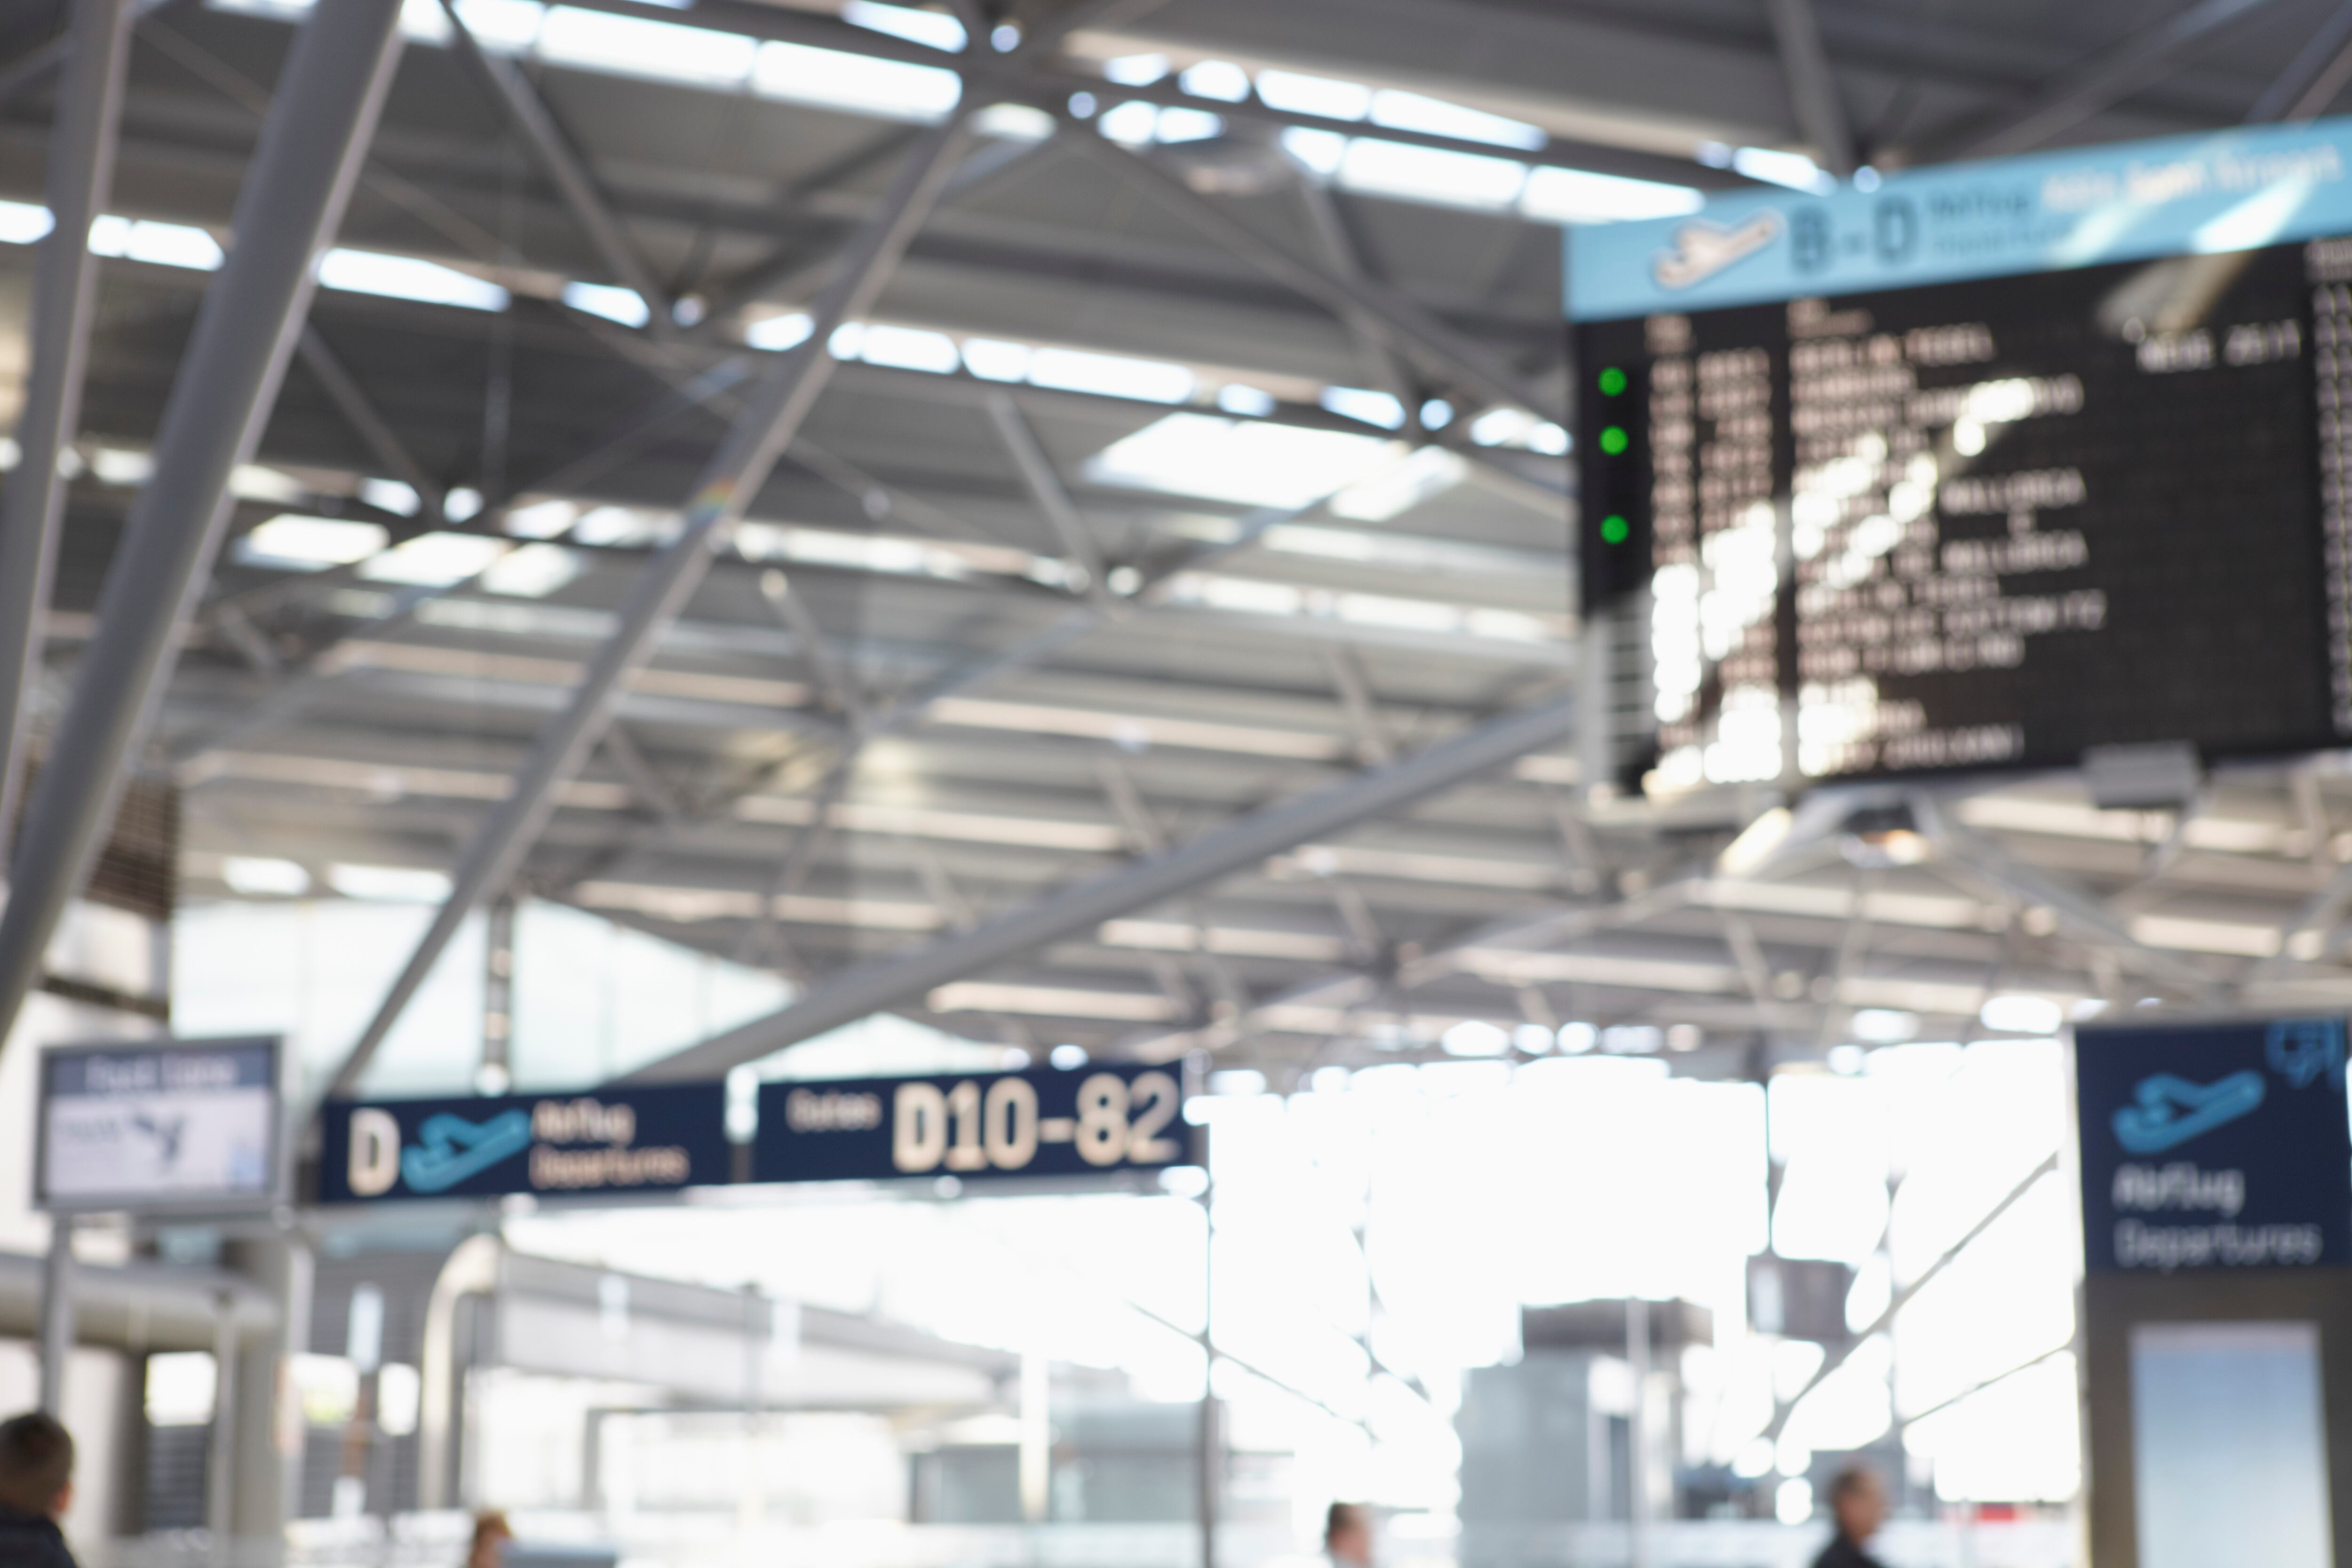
x,y
1474,1038
1321,151
435,560
1412,111
158,243
391,495
1110,375
405,278
1134,70
424,22
777,333
290,542
847,340
533,572
625,306
542,519
253,481
910,348
1189,125
625,525
1575,195
941,32
1547,438
1373,407
260,876
1133,122
1498,427
115,466
1013,123
1793,170
631,45
1323,95
22,223
1394,490
388,884
1245,462
1431,174
2022,1014
502,26
1236,397
1220,79
887,90
993,361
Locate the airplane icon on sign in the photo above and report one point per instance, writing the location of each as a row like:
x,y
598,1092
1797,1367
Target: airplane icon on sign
x,y
1701,249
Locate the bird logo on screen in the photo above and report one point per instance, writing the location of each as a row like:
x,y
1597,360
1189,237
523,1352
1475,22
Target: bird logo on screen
x,y
1701,249
2168,1111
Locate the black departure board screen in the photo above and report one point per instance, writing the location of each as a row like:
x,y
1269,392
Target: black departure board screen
x,y
1987,521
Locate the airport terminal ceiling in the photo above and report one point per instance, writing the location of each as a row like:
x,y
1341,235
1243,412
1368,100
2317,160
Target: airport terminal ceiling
x,y
1239,543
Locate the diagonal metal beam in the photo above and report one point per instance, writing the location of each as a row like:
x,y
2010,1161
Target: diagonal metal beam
x,y
733,476
65,287
1813,85
1390,371
328,100
1046,488
1046,34
1376,311
383,442
2314,77
565,168
1218,853
2141,60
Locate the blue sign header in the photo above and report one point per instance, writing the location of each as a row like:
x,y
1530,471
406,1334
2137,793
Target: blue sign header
x,y
601,1142
2237,190
2218,1145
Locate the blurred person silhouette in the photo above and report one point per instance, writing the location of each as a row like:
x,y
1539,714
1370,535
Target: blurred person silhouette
x,y
1348,1536
492,1534
1858,1504
36,1461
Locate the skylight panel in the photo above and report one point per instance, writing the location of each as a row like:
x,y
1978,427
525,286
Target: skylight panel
x,y
1404,111
1238,397
1189,125
1498,426
1398,488
931,27
1134,70
1244,462
406,278
993,361
424,22
1373,407
532,572
391,495
1013,123
1577,195
625,525
388,884
631,45
541,520
625,306
1320,151
292,542
1793,170
1134,122
777,333
502,26
263,876
158,243
1110,375
23,223
434,560
1431,174
887,90
1299,94
1220,79
909,348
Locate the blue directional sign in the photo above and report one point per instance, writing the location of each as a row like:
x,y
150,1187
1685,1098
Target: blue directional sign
x,y
603,1143
2215,1145
1090,1120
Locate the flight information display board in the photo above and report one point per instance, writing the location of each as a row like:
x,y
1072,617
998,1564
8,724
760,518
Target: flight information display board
x,y
1984,466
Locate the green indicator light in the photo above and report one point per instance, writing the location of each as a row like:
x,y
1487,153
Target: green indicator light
x,y
1612,381
1613,440
1614,529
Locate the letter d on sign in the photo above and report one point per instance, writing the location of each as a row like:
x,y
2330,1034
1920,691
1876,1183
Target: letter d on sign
x,y
375,1154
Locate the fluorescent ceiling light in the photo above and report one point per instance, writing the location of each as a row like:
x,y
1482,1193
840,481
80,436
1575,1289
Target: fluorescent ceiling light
x,y
541,520
1189,125
1883,1026
1320,152
461,504
941,32
1412,111
887,90
1237,397
1372,407
114,466
1110,375
777,333
435,560
909,348
625,525
533,572
1793,170
252,481
261,876
1013,123
1576,195
1474,1038
631,46
2021,1015
1247,463
501,27
625,306
389,884
158,243
406,278
1431,174
1133,122
22,223
391,495
1134,70
290,542
993,361
1220,79
1393,491
1327,96
1498,426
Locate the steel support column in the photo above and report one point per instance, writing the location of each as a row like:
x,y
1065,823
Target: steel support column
x,y
1813,85
734,474
312,144
1217,852
57,1315
65,285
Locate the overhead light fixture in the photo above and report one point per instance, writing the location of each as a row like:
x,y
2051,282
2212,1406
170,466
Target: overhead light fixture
x,y
407,277
1248,463
435,560
292,542
261,876
2021,1015
388,884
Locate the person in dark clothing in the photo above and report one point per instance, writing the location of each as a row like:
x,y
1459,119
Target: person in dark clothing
x,y
1858,1503
1348,1536
36,1457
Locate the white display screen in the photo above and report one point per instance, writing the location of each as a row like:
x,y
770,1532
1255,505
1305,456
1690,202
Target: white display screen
x,y
173,1125
2231,1446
